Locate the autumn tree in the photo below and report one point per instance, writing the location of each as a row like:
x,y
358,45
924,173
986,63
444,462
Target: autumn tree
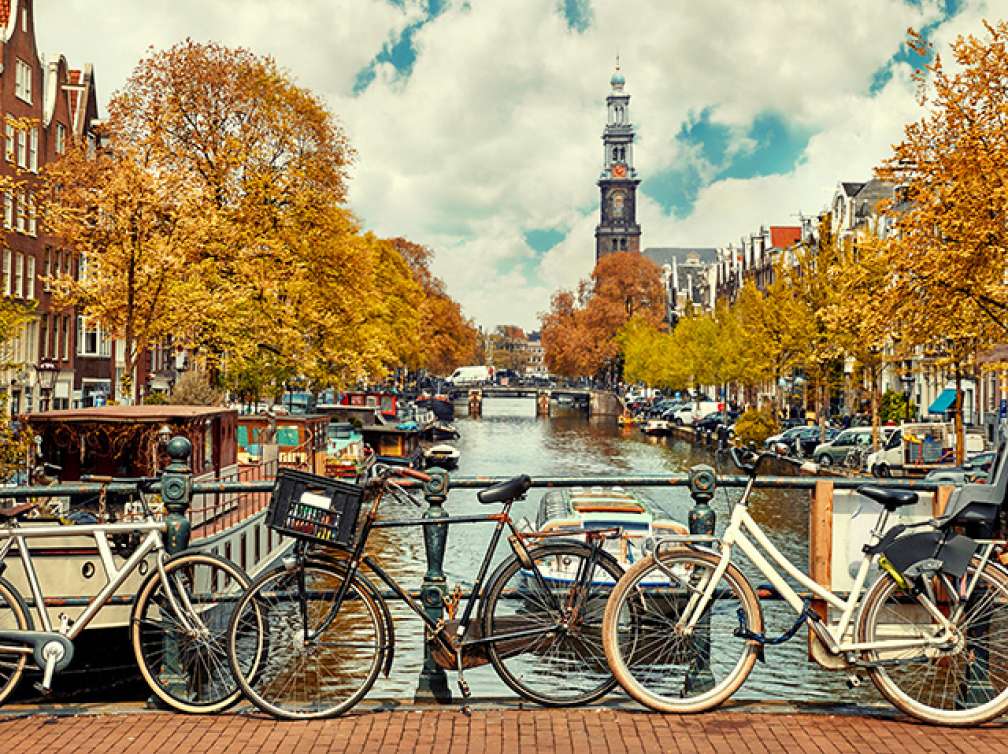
x,y
949,252
579,334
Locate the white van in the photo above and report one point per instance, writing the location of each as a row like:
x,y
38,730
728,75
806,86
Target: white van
x,y
694,410
918,448
475,375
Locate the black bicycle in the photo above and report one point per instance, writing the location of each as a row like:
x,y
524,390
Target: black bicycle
x,y
309,639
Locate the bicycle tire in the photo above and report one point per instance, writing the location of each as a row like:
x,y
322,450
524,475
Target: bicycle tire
x,y
662,675
14,616
295,680
883,610
570,668
186,669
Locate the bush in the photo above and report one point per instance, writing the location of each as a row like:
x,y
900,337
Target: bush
x,y
193,389
756,425
893,407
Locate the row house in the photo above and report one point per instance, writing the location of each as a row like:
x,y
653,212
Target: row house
x,y
754,259
46,107
687,276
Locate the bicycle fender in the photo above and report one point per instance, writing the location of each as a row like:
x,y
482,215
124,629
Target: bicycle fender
x,y
954,552
368,586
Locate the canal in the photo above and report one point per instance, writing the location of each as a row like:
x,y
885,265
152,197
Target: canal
x,y
510,440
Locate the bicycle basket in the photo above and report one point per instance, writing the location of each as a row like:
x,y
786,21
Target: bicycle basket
x,y
315,508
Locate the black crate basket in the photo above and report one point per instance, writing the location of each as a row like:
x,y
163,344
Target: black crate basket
x,y
315,508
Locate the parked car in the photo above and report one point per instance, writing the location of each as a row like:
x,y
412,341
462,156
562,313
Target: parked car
x,y
837,450
690,412
808,439
783,438
713,420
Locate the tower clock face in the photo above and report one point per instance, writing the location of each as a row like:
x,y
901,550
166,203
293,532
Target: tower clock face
x,y
617,203
619,170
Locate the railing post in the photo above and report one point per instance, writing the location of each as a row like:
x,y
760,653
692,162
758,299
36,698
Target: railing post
x,y
432,684
176,492
702,520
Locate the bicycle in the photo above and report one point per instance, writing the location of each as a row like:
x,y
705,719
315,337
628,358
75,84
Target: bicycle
x,y
177,620
930,632
327,631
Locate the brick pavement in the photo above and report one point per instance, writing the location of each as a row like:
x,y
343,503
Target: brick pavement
x,y
491,731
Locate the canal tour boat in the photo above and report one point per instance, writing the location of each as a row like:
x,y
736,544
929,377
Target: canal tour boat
x,y
603,508
128,441
442,455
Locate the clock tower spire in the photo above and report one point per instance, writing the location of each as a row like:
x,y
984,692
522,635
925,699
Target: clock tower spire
x,y
617,229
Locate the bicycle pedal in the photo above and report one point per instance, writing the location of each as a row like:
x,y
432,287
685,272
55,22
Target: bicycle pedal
x,y
42,689
466,710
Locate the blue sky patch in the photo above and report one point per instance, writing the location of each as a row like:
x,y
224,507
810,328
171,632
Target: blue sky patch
x,y
578,14
904,54
777,146
544,239
400,53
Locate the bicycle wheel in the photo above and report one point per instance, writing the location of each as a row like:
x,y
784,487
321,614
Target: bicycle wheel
x,y
310,666
179,631
962,684
14,616
553,667
653,659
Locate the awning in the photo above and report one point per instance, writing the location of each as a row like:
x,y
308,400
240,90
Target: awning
x,y
944,401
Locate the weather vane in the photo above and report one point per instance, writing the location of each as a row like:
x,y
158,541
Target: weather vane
x,y
617,61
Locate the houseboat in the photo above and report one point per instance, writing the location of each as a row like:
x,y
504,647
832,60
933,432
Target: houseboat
x,y
301,439
346,453
604,508
129,441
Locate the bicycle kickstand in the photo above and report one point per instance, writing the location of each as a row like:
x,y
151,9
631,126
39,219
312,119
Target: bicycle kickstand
x,y
462,684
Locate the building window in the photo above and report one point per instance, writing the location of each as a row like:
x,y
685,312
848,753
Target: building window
x,y
60,138
22,148
19,276
44,327
90,339
23,81
9,141
22,216
8,209
46,269
30,277
32,215
65,338
7,272
33,150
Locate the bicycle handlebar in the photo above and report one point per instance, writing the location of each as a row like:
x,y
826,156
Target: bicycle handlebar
x,y
413,474
747,460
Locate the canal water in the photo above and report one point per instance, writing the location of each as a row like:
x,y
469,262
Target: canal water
x,y
510,440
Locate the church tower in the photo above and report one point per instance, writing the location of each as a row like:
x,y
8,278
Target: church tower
x,y
617,229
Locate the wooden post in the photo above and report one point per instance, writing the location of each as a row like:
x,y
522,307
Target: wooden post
x,y
475,404
940,498
820,562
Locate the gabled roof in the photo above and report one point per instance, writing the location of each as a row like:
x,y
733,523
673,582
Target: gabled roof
x,y
665,254
784,236
850,188
866,200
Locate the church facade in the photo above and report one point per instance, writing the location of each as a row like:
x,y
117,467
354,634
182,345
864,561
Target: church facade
x,y
618,229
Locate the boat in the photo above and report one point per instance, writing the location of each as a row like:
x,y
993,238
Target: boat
x,y
444,431
128,441
604,508
629,420
396,445
301,439
443,455
346,453
440,404
657,427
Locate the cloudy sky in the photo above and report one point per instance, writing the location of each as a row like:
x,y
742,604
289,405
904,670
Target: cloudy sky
x,y
478,122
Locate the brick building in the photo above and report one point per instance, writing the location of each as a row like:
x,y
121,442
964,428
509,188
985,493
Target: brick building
x,y
47,106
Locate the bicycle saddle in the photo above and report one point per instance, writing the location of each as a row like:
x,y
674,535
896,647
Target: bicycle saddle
x,y
889,499
504,491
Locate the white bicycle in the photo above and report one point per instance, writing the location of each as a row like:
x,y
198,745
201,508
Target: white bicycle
x,y
931,632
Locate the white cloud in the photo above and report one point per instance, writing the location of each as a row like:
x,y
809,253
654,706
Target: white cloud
x,y
496,131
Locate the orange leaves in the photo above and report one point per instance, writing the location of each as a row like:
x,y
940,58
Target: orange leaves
x,y
579,335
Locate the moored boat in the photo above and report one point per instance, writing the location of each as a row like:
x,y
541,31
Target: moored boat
x,y
597,508
656,427
444,431
443,455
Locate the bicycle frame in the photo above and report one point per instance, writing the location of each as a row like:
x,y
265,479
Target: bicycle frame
x,y
114,577
742,526
437,628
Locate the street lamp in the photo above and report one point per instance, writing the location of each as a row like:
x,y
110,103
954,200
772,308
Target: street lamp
x,y
46,372
907,379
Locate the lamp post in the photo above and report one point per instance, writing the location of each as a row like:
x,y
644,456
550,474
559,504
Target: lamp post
x,y
907,379
46,372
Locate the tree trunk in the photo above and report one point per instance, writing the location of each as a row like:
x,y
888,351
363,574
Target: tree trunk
x,y
960,430
875,432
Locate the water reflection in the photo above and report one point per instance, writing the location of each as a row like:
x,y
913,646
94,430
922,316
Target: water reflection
x,y
510,440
